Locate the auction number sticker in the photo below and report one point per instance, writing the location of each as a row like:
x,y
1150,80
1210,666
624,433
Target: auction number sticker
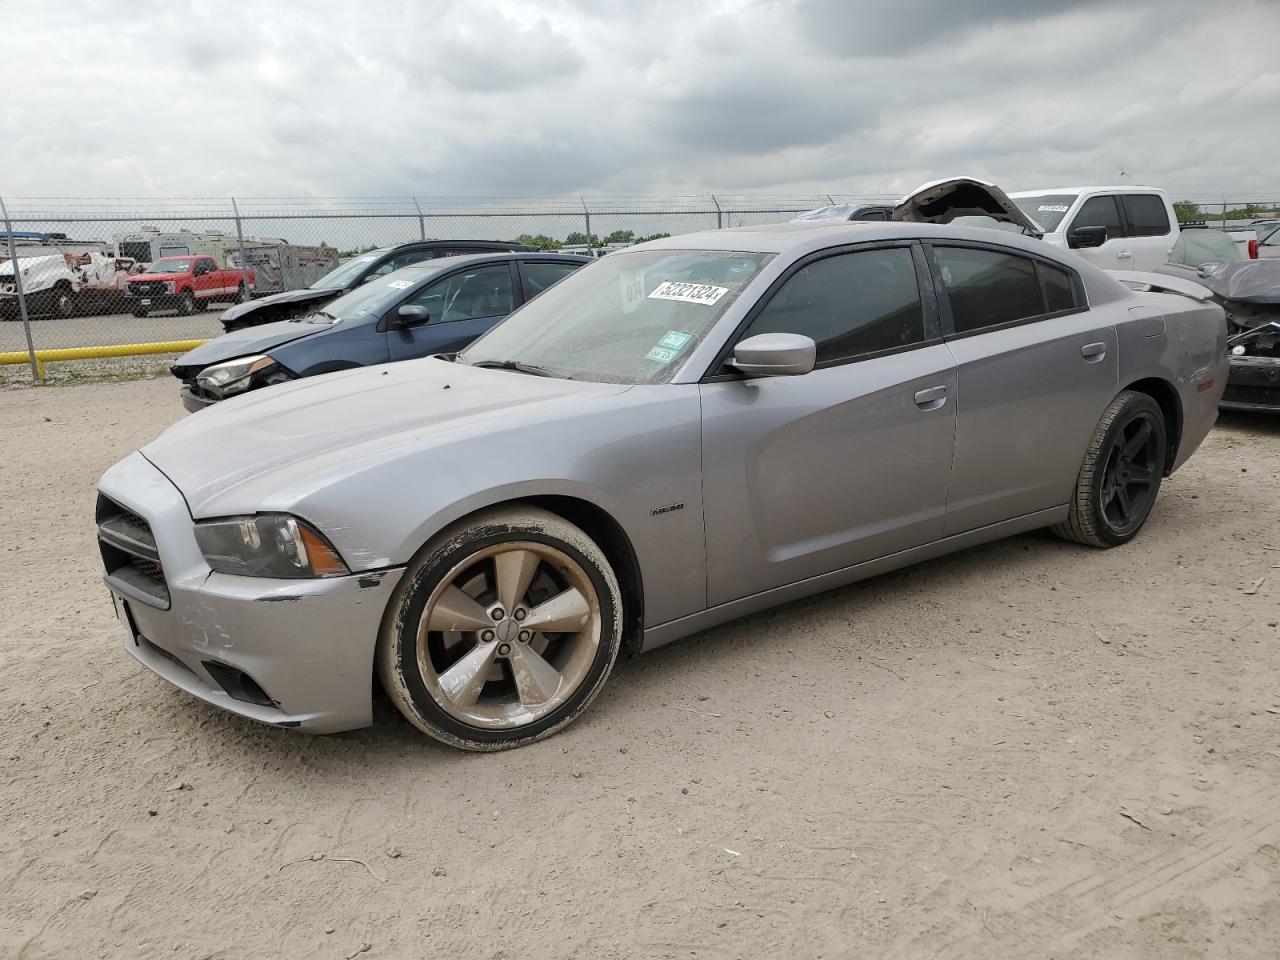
x,y
400,284
703,293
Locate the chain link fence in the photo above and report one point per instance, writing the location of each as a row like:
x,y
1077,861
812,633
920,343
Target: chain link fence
x,y
67,264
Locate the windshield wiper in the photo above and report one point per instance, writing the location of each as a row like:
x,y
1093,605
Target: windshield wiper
x,y
514,365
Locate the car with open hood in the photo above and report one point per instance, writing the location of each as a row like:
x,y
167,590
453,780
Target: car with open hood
x,y
437,306
677,435
350,274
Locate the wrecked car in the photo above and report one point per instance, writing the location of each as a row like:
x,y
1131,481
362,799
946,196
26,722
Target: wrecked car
x,y
846,211
677,435
1249,292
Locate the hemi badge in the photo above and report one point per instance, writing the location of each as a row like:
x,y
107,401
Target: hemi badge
x,y
1207,385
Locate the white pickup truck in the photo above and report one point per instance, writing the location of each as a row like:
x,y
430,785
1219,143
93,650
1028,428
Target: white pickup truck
x,y
1117,228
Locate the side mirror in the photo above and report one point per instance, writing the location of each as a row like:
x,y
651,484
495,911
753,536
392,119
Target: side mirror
x,y
1078,237
775,355
411,315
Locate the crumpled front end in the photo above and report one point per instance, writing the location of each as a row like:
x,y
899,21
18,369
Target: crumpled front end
x,y
1254,379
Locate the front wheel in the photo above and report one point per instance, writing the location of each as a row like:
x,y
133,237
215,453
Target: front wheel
x,y
186,304
1121,475
502,631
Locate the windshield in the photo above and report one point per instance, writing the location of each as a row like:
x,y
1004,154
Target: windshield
x,y
1046,209
346,273
1272,239
371,297
1196,247
631,317
170,265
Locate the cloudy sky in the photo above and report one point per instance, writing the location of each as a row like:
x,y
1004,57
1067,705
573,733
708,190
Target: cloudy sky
x,y
485,98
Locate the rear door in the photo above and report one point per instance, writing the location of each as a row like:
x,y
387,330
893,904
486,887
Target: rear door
x,y
1149,229
1103,210
806,475
462,305
1036,368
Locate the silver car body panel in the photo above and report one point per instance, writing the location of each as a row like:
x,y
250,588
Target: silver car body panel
x,y
733,494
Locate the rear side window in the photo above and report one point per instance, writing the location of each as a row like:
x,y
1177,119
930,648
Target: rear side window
x,y
1059,288
1100,212
538,276
851,304
1147,215
988,289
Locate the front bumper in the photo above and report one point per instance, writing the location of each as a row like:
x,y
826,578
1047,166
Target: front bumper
x,y
1253,384
192,400
308,645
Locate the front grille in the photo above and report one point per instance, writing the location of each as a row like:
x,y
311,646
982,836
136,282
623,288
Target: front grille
x,y
1262,396
145,289
129,554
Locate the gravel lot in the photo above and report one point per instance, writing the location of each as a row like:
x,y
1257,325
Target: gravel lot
x,y
1029,749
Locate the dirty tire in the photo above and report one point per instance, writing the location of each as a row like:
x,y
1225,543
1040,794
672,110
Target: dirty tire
x,y
64,301
407,682
1094,519
186,304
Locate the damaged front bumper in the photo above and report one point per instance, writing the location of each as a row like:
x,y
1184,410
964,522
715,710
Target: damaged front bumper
x,y
294,653
1253,383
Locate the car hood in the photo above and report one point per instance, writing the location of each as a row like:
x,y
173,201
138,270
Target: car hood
x,y
250,340
305,295
269,448
943,201
43,262
154,277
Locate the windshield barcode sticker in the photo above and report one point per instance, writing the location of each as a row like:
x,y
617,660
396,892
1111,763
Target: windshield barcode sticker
x,y
688,292
1052,208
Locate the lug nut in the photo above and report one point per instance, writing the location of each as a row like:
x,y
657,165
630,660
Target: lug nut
x,y
521,614
497,613
524,636
487,636
504,649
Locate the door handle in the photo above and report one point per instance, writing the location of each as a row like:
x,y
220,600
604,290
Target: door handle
x,y
931,398
1093,352
1123,254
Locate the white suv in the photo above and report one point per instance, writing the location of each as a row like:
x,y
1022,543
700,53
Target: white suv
x,y
1117,228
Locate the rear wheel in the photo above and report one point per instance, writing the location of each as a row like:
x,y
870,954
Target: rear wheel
x,y
1121,475
502,631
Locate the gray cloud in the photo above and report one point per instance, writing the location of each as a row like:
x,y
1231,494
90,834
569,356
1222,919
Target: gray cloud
x,y
496,97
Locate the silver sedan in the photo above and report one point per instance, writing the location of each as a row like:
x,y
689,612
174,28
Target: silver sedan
x,y
679,434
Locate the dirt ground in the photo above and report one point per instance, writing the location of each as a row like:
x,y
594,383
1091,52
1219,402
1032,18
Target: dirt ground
x,y
1030,749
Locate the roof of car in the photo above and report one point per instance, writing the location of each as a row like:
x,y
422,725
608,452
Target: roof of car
x,y
429,268
818,234
1124,188
474,244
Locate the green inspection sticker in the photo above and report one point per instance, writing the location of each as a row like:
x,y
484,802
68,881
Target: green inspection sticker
x,y
661,354
674,340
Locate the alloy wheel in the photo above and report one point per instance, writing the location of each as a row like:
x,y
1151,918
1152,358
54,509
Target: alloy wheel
x,y
1131,474
508,635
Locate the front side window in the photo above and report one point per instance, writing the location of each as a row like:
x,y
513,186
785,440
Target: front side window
x,y
850,304
988,289
1101,212
482,292
1147,215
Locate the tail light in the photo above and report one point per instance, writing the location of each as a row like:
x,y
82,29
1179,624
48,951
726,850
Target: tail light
x,y
1253,249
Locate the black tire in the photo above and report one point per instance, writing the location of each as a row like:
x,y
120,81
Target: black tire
x,y
186,304
1120,478
64,301
139,311
242,295
397,653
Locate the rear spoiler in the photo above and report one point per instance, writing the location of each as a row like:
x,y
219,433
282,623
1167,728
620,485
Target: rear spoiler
x,y
1159,283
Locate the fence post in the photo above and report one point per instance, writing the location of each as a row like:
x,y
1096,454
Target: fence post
x,y
587,215
719,213
244,260
422,226
37,373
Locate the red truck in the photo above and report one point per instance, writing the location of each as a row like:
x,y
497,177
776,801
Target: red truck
x,y
187,284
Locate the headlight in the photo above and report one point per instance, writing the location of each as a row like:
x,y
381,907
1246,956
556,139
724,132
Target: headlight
x,y
268,545
236,376
169,287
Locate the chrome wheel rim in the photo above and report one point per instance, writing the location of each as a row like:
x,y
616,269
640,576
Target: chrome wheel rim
x,y
508,635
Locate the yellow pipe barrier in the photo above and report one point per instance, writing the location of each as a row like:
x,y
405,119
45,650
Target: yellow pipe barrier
x,y
99,353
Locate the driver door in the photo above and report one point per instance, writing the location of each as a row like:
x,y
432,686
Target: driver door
x,y
462,306
809,474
